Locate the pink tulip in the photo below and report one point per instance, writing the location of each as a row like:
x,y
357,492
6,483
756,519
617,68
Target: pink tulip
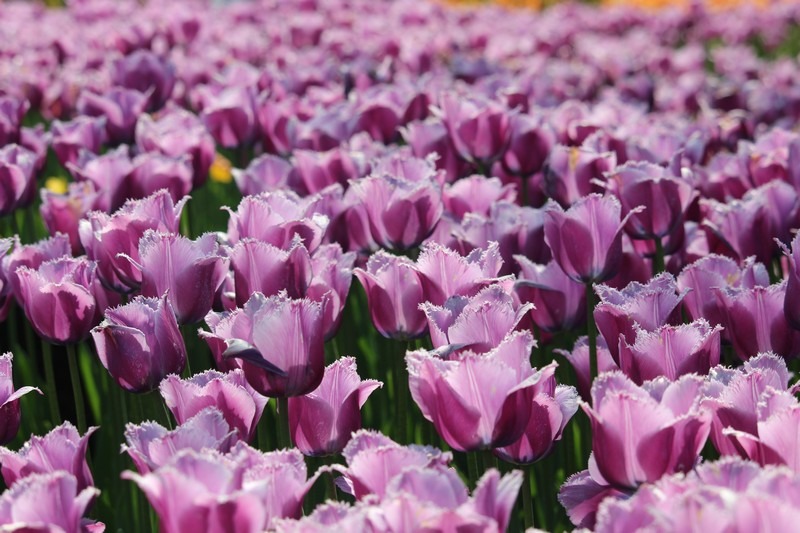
x,y
9,401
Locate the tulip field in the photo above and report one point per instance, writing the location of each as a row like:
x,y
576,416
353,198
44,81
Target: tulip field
x,y
399,266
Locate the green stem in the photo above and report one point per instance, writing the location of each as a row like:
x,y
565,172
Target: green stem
x,y
472,468
50,377
524,190
262,435
658,258
77,391
591,331
527,501
400,379
284,435
330,487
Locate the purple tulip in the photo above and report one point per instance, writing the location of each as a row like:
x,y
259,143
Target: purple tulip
x,y
649,306
109,173
394,292
264,174
9,398
480,129
109,238
492,414
552,408
581,496
401,213
12,111
151,445
665,198
145,72
31,256
475,194
244,490
229,115
579,359
177,133
249,335
120,108
61,213
641,433
586,240
736,398
446,273
430,136
17,177
571,172
559,303
230,393
317,170
478,323
81,133
330,285
532,140
791,304
670,351
153,172
63,449
321,421
276,218
755,320
139,343
261,267
374,460
48,502
62,299
187,272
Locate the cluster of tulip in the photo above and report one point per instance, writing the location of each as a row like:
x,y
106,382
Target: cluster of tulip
x,y
573,235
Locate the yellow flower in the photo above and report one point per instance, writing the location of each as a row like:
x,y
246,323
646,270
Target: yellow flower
x,y
56,184
221,170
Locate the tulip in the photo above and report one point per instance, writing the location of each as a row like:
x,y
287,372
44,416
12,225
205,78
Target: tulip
x,y
32,256
586,240
649,306
318,170
321,421
153,172
264,174
581,497
670,351
177,133
63,449
401,213
572,173
187,272
480,130
394,292
230,116
478,323
251,333
239,403
641,433
475,194
120,108
532,140
260,267
9,401
446,273
755,320
579,359
62,213
139,343
17,177
145,72
478,416
48,502
109,238
12,111
82,133
699,280
430,136
151,445
62,299
330,285
109,173
791,304
558,303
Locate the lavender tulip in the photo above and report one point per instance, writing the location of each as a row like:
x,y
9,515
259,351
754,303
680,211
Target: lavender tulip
x,y
472,418
558,303
586,240
249,334
17,177
446,273
791,304
265,173
152,172
151,445
475,194
480,130
120,108
9,401
145,72
321,421
12,111
63,449
187,272
579,359
260,267
571,172
61,213
63,299
32,256
82,133
139,343
48,502
109,173
230,116
394,292
239,403
532,139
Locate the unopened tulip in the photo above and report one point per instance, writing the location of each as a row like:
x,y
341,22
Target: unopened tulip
x,y
61,449
153,172
120,108
480,129
230,393
188,272
559,303
62,213
322,421
9,401
145,72
17,177
139,343
394,293
12,111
